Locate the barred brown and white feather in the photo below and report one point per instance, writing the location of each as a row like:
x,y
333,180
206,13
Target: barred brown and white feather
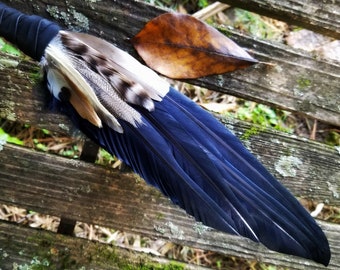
x,y
80,92
109,98
130,90
98,87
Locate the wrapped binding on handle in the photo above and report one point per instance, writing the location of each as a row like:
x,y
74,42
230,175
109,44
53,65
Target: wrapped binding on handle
x,y
31,34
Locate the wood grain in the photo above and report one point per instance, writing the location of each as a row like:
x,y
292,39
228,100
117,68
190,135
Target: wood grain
x,y
24,246
319,16
318,170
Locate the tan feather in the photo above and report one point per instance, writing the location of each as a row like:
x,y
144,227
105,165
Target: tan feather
x,y
60,60
58,84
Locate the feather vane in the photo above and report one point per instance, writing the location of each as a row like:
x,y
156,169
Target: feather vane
x,y
205,169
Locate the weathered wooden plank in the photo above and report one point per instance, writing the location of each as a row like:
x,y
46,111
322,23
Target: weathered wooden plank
x,y
24,93
315,164
318,16
22,246
298,81
85,192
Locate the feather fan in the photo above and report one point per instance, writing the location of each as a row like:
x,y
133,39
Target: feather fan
x,y
171,142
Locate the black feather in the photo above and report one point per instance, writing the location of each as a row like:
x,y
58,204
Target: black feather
x,y
192,158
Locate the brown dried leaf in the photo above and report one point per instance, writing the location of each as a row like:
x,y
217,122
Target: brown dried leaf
x,y
180,46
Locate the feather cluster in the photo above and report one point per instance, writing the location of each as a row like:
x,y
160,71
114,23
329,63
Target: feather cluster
x,y
166,138
100,80
176,146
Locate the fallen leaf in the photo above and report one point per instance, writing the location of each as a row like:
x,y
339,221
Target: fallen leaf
x,y
180,46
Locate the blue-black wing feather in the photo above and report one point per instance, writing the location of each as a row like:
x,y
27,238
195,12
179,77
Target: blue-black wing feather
x,y
192,158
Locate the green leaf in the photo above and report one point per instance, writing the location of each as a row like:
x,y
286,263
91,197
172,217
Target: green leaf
x,y
8,48
6,137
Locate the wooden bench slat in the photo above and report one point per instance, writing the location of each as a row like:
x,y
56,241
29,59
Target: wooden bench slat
x,y
85,192
322,17
319,16
298,81
21,246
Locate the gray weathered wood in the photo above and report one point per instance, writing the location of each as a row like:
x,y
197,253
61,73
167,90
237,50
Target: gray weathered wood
x,y
319,16
297,81
24,93
21,245
85,192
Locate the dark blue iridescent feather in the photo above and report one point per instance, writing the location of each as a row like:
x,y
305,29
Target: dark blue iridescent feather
x,y
193,159
31,34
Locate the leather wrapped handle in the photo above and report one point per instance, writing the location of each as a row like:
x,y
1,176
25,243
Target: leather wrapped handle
x,y
30,33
